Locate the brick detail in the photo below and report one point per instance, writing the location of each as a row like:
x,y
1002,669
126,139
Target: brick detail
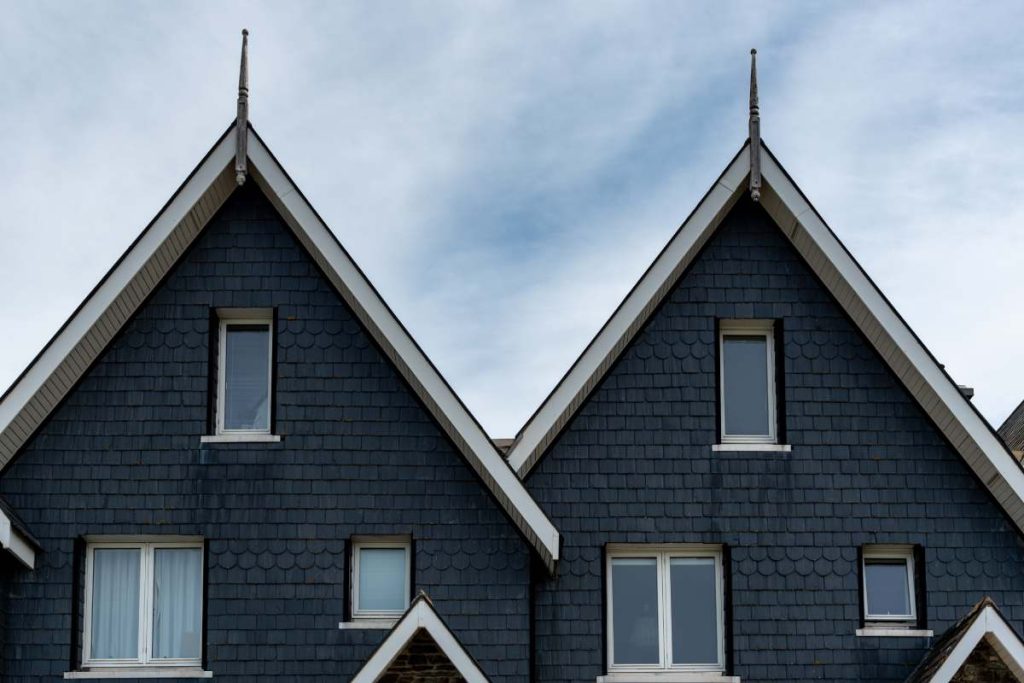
x,y
422,661
867,466
985,666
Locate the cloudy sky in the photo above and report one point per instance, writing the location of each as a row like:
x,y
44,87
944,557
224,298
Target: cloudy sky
x,y
505,172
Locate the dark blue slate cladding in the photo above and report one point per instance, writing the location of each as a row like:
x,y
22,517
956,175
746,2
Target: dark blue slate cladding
x,y
359,456
867,466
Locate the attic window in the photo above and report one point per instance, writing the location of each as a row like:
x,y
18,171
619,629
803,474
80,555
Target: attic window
x,y
244,372
890,595
747,382
381,577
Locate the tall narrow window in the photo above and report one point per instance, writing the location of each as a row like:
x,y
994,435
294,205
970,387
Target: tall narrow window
x,y
381,577
143,604
890,596
665,608
244,374
747,377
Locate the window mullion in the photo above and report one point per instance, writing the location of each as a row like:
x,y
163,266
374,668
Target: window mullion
x,y
664,597
145,618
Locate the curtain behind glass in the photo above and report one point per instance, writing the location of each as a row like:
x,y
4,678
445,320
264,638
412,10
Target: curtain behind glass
x,y
115,603
694,589
382,579
635,611
246,377
177,602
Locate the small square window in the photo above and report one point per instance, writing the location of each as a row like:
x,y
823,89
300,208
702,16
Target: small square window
x,y
143,604
381,578
889,592
665,608
747,377
244,372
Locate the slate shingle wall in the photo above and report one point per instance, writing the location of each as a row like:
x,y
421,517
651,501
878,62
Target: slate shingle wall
x,y
359,456
867,466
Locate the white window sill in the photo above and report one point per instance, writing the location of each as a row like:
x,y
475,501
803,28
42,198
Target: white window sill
x,y
141,672
368,624
667,677
762,447
240,438
883,632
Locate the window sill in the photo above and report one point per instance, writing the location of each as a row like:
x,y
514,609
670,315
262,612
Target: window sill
x,y
763,447
142,672
893,632
240,438
667,677
368,624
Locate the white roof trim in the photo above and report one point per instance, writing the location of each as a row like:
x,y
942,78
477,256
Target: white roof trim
x,y
889,334
16,543
71,352
421,615
991,626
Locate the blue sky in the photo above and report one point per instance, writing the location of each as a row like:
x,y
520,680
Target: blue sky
x,y
504,172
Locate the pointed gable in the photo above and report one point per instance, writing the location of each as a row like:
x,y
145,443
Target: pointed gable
x,y
89,331
904,354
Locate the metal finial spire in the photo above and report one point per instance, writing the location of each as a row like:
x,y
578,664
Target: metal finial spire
x,y
755,132
242,124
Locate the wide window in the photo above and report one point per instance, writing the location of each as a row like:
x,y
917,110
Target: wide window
x,y
665,608
244,373
381,579
143,604
747,377
889,592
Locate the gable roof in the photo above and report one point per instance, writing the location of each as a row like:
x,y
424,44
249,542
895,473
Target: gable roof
x,y
1012,431
419,617
933,389
70,353
949,653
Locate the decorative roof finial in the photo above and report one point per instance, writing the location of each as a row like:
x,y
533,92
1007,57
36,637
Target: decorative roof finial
x,y
755,132
242,124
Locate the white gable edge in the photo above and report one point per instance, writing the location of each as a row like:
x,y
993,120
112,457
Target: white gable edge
x,y
991,626
16,543
52,374
420,616
572,390
889,334
400,347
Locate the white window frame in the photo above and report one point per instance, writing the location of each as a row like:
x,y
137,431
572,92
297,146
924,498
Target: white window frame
x,y
748,328
382,542
663,554
146,549
890,552
230,317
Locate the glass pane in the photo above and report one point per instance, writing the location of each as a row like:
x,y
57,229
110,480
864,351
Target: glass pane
x,y
246,377
115,603
635,611
745,382
177,602
694,590
888,587
382,581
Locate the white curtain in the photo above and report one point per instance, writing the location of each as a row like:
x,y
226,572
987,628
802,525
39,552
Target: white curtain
x,y
382,579
115,603
177,602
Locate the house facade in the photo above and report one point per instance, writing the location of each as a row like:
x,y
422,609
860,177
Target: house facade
x,y
233,462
